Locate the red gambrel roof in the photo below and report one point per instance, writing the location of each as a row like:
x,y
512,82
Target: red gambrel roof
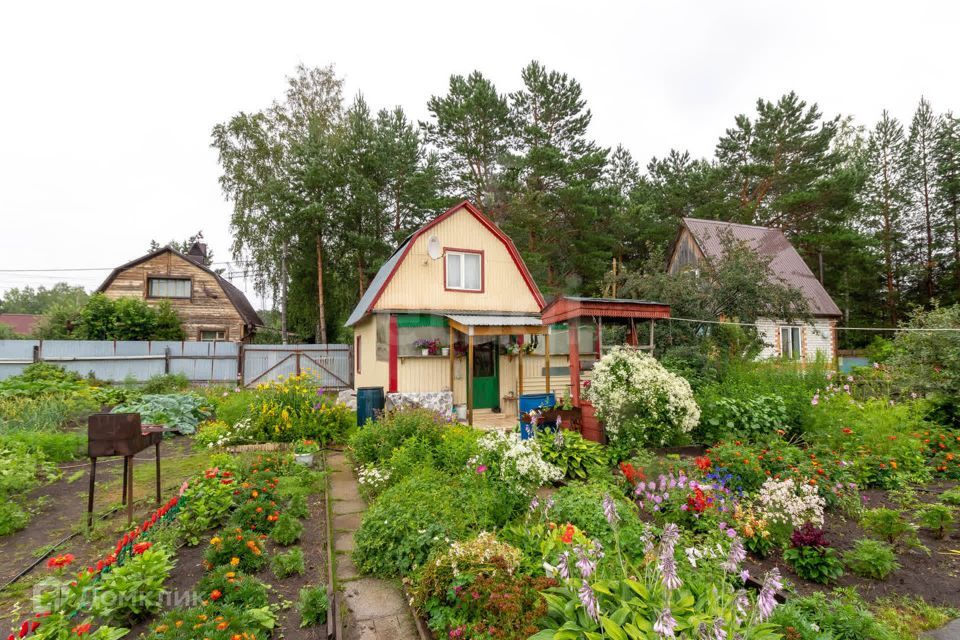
x,y
785,262
21,323
379,283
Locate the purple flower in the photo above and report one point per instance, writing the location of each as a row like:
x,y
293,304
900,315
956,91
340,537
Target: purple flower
x,y
589,601
610,510
719,633
668,569
563,566
745,575
665,624
534,504
767,601
585,564
736,555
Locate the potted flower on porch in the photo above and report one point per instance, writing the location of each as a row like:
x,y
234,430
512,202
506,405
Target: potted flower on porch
x,y
427,347
304,451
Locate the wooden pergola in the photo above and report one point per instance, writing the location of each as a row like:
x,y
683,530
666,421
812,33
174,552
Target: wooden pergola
x,y
574,310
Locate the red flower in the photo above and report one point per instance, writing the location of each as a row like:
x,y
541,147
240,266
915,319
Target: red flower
x,y
140,547
215,595
703,462
57,562
567,536
81,629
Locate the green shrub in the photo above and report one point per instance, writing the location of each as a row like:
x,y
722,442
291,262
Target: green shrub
x,y
297,507
103,318
206,505
236,548
12,517
890,526
844,616
166,383
286,530
288,564
424,511
951,497
214,623
54,446
374,442
572,453
226,586
581,504
233,406
936,517
871,559
313,606
816,564
132,591
928,362
746,418
258,515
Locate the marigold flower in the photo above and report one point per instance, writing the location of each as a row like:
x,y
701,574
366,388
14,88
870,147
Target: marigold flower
x,y
82,629
216,594
58,562
234,561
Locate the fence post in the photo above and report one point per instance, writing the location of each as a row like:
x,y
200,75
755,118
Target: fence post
x,y
298,363
240,351
36,353
166,360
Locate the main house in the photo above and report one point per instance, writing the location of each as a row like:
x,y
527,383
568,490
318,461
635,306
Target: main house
x,y
455,312
209,306
702,240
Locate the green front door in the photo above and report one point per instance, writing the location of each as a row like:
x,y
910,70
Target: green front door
x,y
486,379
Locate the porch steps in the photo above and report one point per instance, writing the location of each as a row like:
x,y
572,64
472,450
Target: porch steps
x,y
487,420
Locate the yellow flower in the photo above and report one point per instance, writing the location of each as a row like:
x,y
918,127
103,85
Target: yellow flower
x,y
234,561
215,540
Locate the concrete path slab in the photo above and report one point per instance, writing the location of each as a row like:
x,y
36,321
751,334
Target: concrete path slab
x,y
373,609
949,632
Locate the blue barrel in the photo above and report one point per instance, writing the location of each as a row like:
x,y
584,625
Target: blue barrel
x,y
527,403
369,404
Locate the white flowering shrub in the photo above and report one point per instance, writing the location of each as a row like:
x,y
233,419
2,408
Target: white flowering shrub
x,y
639,401
787,505
373,480
518,463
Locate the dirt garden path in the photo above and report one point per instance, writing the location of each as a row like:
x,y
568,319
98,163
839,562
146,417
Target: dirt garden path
x,y
374,609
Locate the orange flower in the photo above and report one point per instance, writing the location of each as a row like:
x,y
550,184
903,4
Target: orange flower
x,y
234,561
81,629
215,595
58,562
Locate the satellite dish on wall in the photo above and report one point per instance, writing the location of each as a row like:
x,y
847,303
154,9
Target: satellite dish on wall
x,y
434,250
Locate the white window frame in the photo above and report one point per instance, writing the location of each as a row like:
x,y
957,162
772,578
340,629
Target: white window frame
x,y
167,280
200,337
463,270
786,346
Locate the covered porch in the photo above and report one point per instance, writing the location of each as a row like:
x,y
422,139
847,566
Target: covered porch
x,y
483,359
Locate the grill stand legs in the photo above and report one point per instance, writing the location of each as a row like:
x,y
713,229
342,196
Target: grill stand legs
x,y
93,474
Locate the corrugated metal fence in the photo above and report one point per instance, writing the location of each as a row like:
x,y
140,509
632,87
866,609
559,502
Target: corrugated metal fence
x,y
201,362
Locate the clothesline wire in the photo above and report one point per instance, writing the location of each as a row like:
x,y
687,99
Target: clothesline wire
x,y
839,328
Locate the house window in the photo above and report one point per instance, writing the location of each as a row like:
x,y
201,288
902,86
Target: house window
x,y
790,343
358,356
213,335
464,270
169,288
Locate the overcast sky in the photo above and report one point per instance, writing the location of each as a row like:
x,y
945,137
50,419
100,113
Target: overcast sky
x,y
106,108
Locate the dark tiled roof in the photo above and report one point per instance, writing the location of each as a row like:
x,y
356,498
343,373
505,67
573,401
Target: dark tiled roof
x,y
21,323
784,259
236,297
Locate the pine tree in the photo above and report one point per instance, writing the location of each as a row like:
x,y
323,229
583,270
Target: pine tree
x,y
559,211
471,130
921,173
886,200
948,190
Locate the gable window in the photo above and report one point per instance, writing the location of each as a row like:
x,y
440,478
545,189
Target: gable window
x,y
790,343
169,288
213,335
464,270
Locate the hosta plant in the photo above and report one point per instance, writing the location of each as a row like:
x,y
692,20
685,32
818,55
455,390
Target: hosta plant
x,y
571,453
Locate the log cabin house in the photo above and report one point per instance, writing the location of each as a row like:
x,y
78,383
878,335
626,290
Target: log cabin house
x,y
209,306
455,311
701,240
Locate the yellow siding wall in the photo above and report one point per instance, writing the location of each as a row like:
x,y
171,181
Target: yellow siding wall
x,y
418,284
373,372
